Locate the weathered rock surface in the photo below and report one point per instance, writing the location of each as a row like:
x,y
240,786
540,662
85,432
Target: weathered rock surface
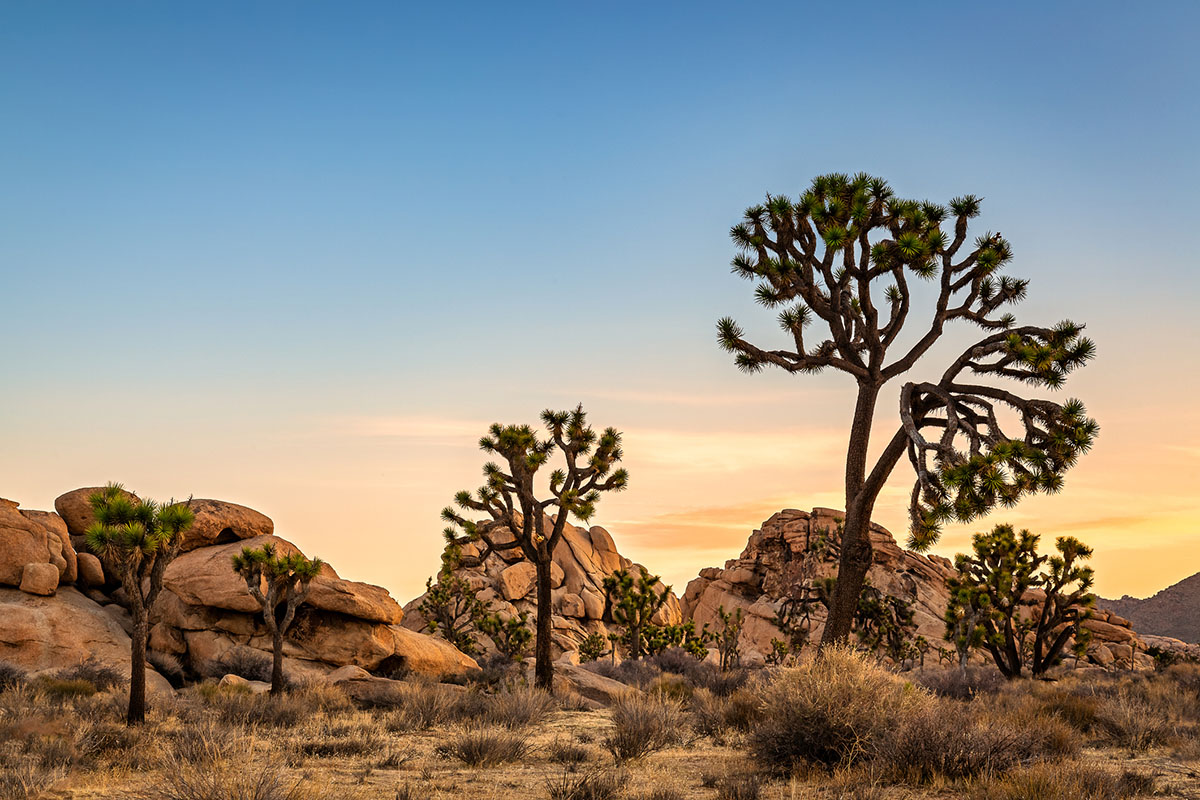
x,y
795,547
24,541
582,560
39,579
76,510
204,611
219,522
43,634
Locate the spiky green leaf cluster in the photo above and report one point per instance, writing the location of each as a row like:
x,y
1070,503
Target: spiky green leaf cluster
x,y
130,530
1001,474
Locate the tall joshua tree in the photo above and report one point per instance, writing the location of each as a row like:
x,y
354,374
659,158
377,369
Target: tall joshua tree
x,y
287,580
136,539
519,524
842,256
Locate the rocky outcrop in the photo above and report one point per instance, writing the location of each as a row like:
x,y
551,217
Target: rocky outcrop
x,y
796,548
582,560
25,541
44,634
219,522
204,610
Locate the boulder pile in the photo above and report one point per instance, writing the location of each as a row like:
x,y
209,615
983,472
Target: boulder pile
x,y
60,607
582,560
797,546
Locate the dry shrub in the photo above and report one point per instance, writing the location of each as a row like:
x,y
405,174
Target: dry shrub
x,y
519,708
237,706
660,793
941,741
61,690
245,662
425,705
11,675
484,747
959,685
638,673
561,752
595,785
1130,720
830,711
643,724
1068,781
25,779
201,742
97,673
331,737
232,781
672,685
1080,711
739,786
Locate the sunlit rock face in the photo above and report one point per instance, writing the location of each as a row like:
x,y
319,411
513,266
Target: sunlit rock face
x,y
63,608
794,548
582,560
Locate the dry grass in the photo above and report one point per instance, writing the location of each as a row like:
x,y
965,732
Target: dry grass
x,y
1054,782
450,743
643,724
830,711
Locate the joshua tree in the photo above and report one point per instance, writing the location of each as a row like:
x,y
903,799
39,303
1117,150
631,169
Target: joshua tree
x,y
136,540
632,604
843,255
450,607
986,599
519,524
728,637
511,636
287,580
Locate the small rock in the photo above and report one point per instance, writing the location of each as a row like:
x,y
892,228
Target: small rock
x,y
39,579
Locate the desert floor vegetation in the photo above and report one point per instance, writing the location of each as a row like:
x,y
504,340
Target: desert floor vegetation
x,y
841,727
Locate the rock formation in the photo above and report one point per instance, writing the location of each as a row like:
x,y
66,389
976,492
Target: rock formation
x,y
794,547
65,609
582,560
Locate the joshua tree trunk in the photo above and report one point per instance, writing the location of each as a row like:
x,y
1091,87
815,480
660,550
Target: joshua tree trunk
x,y
137,667
855,558
543,668
276,661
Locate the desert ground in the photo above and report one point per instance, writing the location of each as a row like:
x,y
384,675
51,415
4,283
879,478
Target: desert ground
x,y
843,728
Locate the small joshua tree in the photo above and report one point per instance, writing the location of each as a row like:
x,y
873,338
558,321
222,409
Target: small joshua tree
x,y
287,580
728,637
592,647
450,607
633,604
986,599
842,256
136,540
516,527
511,636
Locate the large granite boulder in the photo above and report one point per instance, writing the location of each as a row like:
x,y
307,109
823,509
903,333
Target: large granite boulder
x,y
44,634
220,522
582,560
25,541
205,611
75,508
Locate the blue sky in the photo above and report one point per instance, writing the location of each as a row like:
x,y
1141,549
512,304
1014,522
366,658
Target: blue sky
x,y
231,229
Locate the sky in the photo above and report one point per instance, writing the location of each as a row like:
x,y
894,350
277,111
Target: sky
x,y
300,255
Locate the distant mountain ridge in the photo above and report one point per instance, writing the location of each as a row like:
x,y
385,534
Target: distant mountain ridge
x,y
1174,612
